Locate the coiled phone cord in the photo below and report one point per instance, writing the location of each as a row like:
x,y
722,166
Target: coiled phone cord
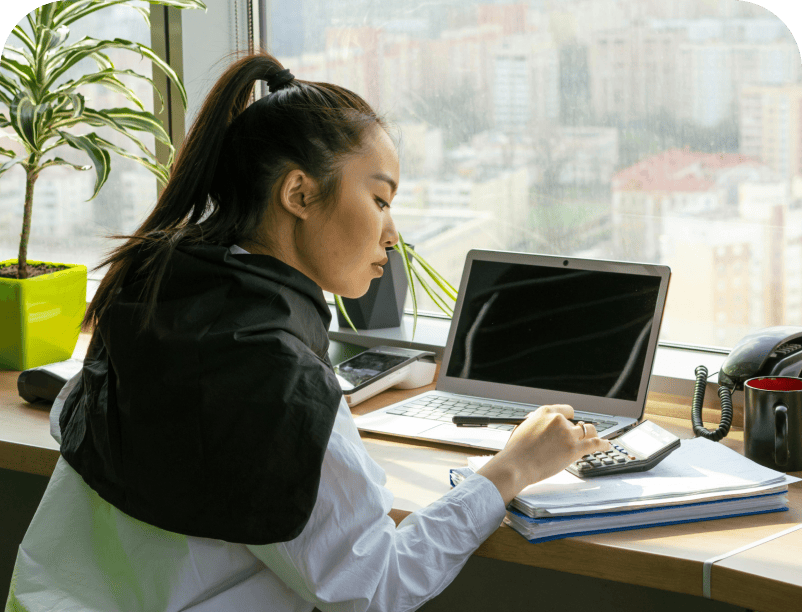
x,y
724,394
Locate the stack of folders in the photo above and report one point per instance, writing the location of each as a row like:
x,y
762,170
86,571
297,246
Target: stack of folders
x,y
701,480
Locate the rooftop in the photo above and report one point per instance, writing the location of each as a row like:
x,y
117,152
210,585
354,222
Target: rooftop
x,y
678,170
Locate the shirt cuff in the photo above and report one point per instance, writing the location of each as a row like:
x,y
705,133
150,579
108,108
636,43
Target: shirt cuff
x,y
484,504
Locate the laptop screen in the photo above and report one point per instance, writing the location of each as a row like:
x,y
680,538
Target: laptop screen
x,y
560,329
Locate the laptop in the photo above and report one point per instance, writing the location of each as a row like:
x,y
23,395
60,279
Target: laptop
x,y
530,330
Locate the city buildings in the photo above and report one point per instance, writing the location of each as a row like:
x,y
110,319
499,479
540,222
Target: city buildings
x,y
723,224
770,125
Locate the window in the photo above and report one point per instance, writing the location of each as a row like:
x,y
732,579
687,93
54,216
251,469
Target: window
x,y
655,102
65,226
620,129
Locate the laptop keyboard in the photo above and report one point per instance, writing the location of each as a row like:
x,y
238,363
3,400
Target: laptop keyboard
x,y
444,409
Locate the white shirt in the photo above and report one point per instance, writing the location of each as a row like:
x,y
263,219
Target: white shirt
x,y
82,554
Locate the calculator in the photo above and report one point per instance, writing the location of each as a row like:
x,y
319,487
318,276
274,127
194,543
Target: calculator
x,y
638,450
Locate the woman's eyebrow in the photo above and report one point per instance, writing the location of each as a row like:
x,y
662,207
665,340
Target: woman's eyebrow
x,y
383,177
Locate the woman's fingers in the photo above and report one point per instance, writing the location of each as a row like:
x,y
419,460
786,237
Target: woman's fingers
x,y
585,430
563,409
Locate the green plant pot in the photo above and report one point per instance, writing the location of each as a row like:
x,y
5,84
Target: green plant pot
x,y
40,317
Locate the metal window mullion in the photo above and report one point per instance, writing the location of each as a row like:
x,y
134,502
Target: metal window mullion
x,y
166,42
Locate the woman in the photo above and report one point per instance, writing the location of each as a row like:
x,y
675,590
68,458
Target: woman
x,y
209,461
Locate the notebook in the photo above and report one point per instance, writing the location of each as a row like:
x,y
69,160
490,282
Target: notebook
x,y
534,329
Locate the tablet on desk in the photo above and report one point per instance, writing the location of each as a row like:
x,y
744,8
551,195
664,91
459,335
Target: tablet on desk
x,y
382,367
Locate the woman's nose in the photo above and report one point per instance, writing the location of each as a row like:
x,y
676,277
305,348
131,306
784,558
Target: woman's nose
x,y
390,234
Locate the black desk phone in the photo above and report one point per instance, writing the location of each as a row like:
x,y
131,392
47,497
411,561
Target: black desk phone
x,y
774,351
639,449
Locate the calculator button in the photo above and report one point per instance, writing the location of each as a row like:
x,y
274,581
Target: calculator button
x,y
599,454
607,461
620,459
582,465
595,463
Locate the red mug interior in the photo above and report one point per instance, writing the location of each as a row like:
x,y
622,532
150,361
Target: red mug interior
x,y
775,383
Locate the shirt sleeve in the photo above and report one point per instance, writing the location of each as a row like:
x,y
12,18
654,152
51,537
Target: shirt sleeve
x,y
351,556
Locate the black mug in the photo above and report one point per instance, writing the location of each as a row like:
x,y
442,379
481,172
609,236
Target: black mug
x,y
773,422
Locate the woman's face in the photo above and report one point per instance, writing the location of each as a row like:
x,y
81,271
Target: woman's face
x,y
343,248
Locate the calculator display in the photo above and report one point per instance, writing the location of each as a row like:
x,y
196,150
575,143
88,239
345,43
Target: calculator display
x,y
638,450
645,440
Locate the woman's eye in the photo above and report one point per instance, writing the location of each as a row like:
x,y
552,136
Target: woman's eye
x,y
381,203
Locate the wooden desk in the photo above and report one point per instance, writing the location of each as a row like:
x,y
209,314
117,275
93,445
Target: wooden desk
x,y
766,578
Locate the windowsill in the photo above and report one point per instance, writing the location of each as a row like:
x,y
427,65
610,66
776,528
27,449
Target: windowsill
x,y
673,371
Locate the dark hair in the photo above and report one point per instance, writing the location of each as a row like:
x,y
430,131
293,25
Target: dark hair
x,y
231,164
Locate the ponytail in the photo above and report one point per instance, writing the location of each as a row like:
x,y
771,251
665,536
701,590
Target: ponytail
x,y
229,163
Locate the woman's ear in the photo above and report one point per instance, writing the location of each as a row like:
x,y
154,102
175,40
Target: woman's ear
x,y
296,192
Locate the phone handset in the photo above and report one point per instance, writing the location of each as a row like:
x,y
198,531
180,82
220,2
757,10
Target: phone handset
x,y
774,351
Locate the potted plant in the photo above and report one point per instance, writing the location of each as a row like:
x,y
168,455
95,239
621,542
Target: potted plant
x,y
42,303
388,292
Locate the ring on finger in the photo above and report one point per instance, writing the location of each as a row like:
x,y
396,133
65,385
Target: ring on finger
x,y
584,431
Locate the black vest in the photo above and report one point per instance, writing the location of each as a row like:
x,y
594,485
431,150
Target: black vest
x,y
212,422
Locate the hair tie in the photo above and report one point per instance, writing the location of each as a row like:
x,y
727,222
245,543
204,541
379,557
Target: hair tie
x,y
278,79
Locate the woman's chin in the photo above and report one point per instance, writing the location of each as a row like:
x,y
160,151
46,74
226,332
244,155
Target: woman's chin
x,y
354,293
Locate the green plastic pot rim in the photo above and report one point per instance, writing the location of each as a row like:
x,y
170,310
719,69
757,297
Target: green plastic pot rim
x,y
70,267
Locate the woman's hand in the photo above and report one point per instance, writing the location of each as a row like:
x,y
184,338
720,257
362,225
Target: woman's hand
x,y
543,445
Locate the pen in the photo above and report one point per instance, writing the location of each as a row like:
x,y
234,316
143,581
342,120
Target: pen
x,y
480,421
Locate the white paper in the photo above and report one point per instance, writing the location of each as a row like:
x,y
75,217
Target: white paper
x,y
673,501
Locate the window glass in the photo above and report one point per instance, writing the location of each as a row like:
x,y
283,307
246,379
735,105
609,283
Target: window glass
x,y
65,226
641,130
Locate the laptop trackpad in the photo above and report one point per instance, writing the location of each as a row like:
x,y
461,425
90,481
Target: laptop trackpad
x,y
396,425
481,437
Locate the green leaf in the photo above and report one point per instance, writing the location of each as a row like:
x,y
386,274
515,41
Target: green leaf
x,y
9,164
103,118
66,10
23,72
44,14
21,113
69,12
145,14
57,161
447,288
67,111
7,152
437,299
161,172
62,61
23,36
48,39
107,78
123,119
81,9
99,156
60,35
10,86
102,61
341,306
